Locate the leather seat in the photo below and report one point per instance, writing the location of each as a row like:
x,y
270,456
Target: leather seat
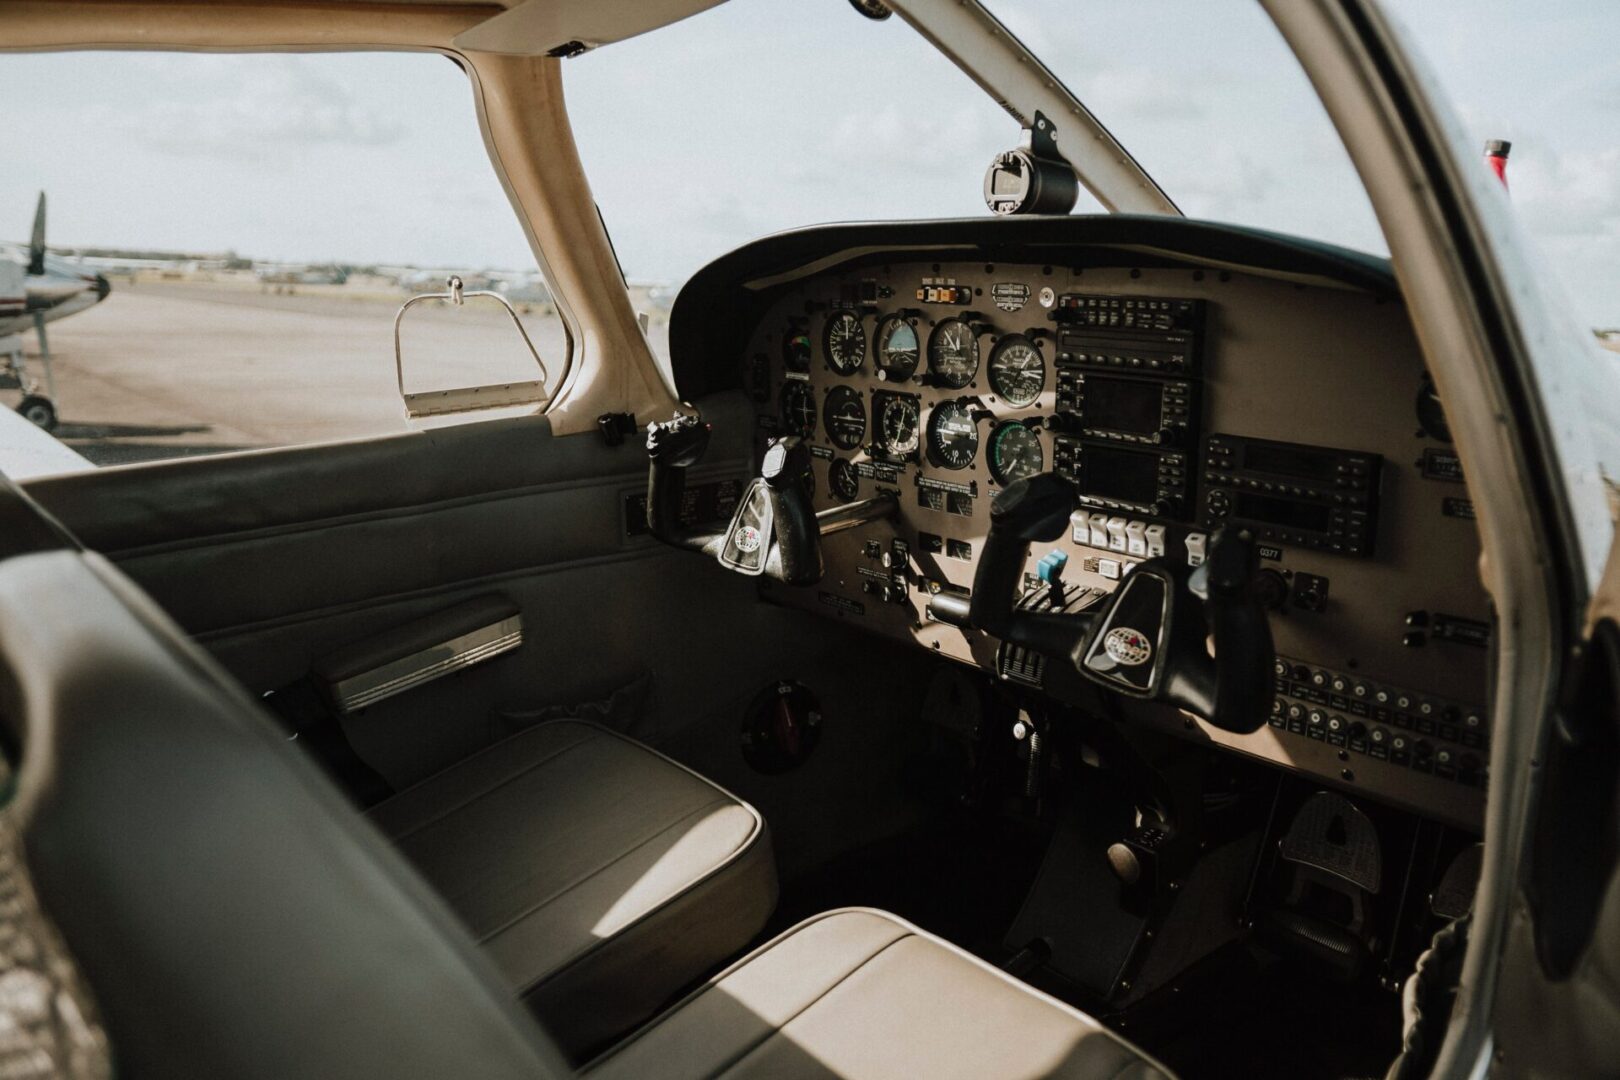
x,y
232,915
601,877
863,995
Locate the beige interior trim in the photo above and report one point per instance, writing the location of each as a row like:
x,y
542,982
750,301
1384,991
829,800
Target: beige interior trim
x,y
525,121
973,39
227,25
536,27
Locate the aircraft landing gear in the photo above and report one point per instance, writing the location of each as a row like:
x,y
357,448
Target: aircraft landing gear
x,y
37,403
38,410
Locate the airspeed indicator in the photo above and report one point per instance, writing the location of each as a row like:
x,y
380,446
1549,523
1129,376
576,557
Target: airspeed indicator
x,y
845,342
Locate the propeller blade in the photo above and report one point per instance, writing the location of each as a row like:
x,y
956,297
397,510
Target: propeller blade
x,y
36,246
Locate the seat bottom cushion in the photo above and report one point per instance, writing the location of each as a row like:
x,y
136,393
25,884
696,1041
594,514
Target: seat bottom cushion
x,y
601,877
863,995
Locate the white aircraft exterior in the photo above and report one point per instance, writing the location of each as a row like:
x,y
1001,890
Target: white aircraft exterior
x,y
37,288
27,450
36,284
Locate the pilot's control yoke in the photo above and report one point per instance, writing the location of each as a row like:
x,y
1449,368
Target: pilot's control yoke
x,y
1151,638
774,530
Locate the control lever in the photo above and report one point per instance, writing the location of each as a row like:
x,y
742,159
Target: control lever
x,y
773,530
1152,638
1035,508
794,552
673,447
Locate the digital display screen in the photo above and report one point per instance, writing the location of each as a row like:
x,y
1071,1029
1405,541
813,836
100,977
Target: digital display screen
x,y
1122,405
1126,475
1296,515
1289,461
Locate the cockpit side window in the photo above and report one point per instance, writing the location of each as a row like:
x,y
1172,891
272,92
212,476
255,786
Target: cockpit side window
x,y
246,226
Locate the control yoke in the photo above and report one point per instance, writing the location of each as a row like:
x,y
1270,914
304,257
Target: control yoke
x,y
774,531
1152,637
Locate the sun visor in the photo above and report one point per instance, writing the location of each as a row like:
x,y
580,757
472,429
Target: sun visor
x,y
569,27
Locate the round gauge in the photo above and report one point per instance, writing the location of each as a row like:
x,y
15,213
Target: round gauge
x,y
844,481
953,435
1017,370
1015,452
953,353
845,416
845,342
796,349
897,349
798,410
896,422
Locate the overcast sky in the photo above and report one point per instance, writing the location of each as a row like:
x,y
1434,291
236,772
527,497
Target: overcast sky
x,y
763,115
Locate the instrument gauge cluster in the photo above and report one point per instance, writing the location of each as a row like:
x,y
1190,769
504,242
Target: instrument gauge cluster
x,y
1175,402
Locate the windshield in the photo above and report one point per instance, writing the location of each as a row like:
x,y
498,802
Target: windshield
x,y
1207,97
770,117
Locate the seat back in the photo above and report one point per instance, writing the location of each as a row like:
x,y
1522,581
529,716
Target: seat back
x,y
232,915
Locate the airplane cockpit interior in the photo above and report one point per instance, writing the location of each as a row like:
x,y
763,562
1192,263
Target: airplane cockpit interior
x,y
1032,644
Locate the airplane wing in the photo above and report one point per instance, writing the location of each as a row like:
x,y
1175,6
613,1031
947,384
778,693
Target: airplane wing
x,y
26,451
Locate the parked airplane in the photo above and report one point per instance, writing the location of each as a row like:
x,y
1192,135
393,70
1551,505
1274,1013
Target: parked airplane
x,y
37,288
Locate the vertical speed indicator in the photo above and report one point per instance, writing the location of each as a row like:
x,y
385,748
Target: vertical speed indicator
x,y
896,426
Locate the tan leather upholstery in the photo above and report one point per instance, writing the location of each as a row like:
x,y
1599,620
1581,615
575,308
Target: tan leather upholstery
x,y
862,995
601,877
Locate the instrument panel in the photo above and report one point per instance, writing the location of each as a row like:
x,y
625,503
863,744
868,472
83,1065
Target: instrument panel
x,y
1176,398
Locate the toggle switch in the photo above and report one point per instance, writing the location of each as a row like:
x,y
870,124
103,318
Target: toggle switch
x,y
1116,534
1135,540
1098,523
1195,548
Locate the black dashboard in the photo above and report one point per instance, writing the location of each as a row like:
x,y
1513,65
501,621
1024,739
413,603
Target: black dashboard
x,y
1181,376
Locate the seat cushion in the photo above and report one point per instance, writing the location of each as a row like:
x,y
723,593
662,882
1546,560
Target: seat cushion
x,y
863,995
600,876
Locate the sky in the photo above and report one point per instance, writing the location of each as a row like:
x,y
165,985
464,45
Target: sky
x,y
763,115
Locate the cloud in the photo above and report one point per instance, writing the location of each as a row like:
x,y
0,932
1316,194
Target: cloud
x,y
1571,194
253,111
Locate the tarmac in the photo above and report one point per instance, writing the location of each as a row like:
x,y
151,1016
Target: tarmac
x,y
171,369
